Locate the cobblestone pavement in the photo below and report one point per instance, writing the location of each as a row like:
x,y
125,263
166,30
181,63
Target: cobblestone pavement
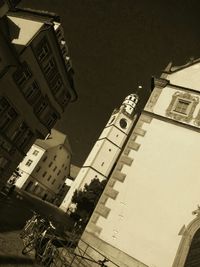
x,y
14,212
10,251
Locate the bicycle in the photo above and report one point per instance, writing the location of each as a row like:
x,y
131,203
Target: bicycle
x,y
35,228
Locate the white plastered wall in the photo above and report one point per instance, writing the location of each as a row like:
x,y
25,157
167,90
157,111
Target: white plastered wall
x,y
161,189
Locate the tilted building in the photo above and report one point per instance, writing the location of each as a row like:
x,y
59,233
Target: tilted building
x,y
36,81
102,158
46,167
147,214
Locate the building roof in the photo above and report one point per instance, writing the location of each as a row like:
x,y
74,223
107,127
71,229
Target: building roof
x,y
170,68
74,170
55,139
28,29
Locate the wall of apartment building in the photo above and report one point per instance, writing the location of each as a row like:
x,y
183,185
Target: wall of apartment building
x,y
25,105
48,177
29,163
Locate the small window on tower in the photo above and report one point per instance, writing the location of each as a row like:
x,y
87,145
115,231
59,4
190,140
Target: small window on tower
x,y
123,123
111,121
102,163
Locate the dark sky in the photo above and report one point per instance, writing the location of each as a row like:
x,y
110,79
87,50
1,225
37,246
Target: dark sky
x,y
116,45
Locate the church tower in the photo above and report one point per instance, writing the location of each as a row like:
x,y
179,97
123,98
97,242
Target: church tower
x,y
106,150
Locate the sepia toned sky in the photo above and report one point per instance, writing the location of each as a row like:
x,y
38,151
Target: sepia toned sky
x,y
116,45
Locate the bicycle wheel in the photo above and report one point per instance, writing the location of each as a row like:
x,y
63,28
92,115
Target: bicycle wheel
x,y
28,248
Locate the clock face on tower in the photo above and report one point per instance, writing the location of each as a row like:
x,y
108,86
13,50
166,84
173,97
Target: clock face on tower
x,y
123,123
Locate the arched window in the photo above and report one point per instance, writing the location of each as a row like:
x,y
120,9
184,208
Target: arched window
x,y
188,254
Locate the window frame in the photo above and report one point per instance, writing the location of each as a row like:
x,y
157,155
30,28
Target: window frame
x,y
177,97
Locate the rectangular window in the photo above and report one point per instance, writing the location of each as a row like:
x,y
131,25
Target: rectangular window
x,y
3,162
22,75
58,173
32,92
29,162
50,164
38,169
182,106
25,139
44,174
56,84
43,50
40,106
35,152
3,105
49,178
18,133
63,98
45,158
49,67
7,117
51,119
53,181
54,168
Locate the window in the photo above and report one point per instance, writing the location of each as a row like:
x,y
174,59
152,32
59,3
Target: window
x,y
102,163
22,75
63,178
49,67
50,119
55,157
63,98
49,178
38,169
59,186
40,106
7,117
22,128
54,168
44,159
43,50
29,162
44,174
3,162
53,181
50,164
25,139
3,105
58,173
32,92
35,152
182,106
56,84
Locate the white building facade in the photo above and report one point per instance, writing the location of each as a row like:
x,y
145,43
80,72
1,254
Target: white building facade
x,y
46,167
106,150
145,215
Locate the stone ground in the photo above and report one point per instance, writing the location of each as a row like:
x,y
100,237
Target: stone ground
x,y
10,251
